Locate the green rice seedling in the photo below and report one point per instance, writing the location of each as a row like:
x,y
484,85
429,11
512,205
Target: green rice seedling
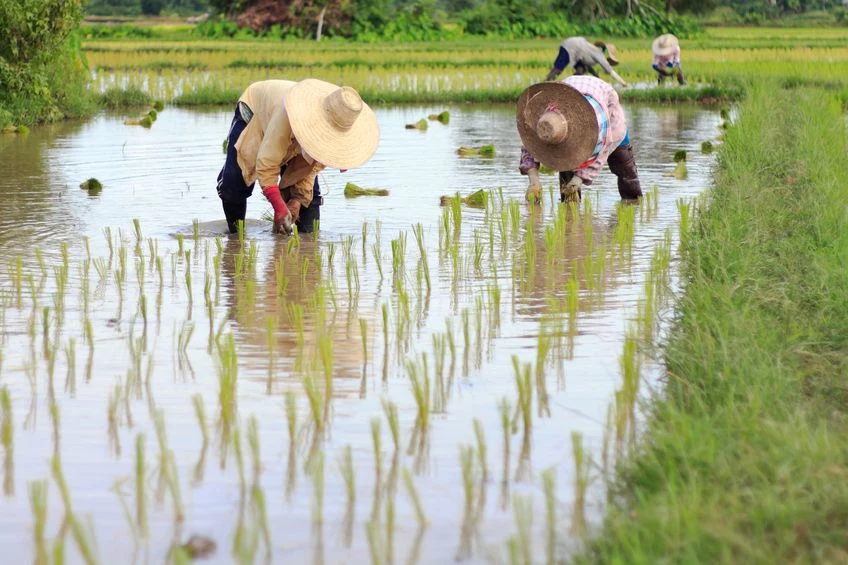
x,y
420,125
456,215
352,190
375,251
466,339
227,380
684,207
363,333
113,416
38,501
483,151
390,409
316,405
482,450
239,457
137,228
254,446
477,199
525,400
92,186
421,393
707,147
442,117
374,542
582,466
390,529
325,349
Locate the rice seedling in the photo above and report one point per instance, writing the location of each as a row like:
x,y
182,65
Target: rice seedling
x,y
378,465
420,125
168,466
352,190
261,512
7,437
477,199
412,492
466,461
84,539
442,117
482,151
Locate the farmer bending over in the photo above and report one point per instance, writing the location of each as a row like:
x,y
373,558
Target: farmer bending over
x,y
283,134
581,55
666,61
575,126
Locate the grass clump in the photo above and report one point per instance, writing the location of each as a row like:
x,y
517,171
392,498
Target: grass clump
x,y
742,461
124,98
477,199
483,151
420,125
707,147
352,190
92,186
441,117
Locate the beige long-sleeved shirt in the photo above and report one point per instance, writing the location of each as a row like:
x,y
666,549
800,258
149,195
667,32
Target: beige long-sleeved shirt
x,y
268,142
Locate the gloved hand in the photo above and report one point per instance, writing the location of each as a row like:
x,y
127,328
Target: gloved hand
x,y
570,191
283,222
534,188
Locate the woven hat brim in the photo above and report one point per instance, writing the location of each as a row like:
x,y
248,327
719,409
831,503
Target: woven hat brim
x,y
582,137
321,139
667,50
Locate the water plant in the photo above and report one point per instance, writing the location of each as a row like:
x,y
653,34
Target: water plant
x,y
352,190
482,151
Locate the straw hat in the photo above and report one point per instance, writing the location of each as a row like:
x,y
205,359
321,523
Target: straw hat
x,y
557,125
332,123
665,45
610,51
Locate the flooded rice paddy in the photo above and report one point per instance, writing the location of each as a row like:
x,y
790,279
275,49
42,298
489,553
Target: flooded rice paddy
x,y
415,383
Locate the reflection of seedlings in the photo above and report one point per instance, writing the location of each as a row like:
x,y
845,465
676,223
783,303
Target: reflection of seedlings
x,y
363,332
582,464
521,543
549,488
416,500
352,190
140,495
506,425
84,539
378,465
114,404
482,151
481,449
200,413
466,461
7,437
261,512
168,466
348,473
38,501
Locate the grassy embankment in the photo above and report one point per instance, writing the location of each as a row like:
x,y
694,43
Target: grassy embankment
x,y
744,459
718,65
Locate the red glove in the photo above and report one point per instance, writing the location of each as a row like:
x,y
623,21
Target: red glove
x,y
283,222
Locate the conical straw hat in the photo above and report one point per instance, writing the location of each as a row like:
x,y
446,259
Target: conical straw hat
x,y
332,123
665,45
557,125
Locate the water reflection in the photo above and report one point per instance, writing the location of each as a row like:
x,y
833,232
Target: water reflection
x,y
446,346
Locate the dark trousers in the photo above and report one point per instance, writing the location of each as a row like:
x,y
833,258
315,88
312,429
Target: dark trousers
x,y
623,165
234,192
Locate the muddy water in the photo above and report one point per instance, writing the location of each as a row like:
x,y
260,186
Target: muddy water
x,y
55,243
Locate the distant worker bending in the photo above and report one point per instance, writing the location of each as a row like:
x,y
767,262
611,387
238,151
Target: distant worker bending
x,y
666,62
579,54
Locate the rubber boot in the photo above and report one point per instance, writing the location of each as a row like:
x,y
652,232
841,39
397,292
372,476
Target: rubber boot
x,y
623,165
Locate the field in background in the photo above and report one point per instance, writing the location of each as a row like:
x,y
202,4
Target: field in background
x,y
717,65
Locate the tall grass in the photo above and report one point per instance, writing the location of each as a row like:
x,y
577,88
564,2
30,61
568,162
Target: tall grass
x,y
743,460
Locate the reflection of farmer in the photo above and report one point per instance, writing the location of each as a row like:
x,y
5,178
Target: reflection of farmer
x,y
283,133
666,62
575,126
578,53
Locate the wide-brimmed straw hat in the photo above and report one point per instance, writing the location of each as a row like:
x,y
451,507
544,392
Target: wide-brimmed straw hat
x,y
557,125
665,45
332,123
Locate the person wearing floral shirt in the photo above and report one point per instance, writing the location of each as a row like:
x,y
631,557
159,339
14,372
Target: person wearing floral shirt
x,y
666,62
574,127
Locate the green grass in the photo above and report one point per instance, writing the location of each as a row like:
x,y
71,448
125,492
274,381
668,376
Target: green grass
x,y
744,457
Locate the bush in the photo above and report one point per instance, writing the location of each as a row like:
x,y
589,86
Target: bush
x,y
43,74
